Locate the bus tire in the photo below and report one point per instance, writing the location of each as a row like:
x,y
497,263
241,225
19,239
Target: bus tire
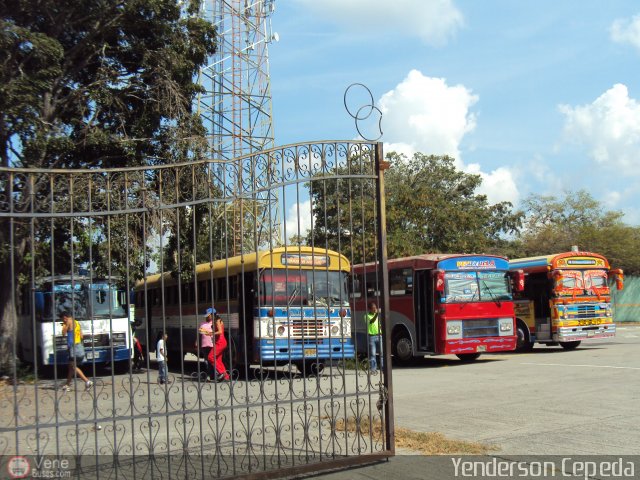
x,y
523,342
570,345
309,367
468,357
120,367
175,360
402,347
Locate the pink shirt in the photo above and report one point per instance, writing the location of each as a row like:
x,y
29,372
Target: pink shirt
x,y
206,340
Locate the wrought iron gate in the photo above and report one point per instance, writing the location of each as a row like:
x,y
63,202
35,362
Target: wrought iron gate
x,y
154,248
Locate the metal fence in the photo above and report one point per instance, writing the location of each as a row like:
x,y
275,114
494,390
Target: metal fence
x,y
145,250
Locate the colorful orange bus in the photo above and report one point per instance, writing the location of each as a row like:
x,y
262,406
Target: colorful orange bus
x,y
566,299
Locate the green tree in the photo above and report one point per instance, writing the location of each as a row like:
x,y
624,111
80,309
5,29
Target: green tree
x,y
87,84
555,224
430,207
434,207
344,209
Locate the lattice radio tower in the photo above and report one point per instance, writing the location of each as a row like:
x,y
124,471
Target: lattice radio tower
x,y
236,109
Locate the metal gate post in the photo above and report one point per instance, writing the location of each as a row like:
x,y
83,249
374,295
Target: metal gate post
x,y
383,281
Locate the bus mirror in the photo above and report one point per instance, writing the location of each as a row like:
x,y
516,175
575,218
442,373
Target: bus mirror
x,y
518,280
557,277
439,277
619,276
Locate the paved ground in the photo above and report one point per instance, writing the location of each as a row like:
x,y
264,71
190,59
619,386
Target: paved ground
x,y
547,402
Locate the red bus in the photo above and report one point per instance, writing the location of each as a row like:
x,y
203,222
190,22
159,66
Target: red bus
x,y
441,304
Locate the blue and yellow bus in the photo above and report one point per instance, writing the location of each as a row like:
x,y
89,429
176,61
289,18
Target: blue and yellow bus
x,y
288,305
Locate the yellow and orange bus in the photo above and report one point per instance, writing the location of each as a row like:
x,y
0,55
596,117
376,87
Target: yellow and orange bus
x,y
566,299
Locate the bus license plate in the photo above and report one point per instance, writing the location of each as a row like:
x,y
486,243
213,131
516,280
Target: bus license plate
x,y
590,334
481,348
90,355
309,352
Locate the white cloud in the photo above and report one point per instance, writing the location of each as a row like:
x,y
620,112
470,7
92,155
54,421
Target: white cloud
x,y
612,198
425,114
433,21
627,31
498,186
609,128
298,214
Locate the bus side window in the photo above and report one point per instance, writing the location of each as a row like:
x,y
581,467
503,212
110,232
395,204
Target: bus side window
x,y
355,286
401,281
211,295
233,287
221,289
371,283
156,296
202,292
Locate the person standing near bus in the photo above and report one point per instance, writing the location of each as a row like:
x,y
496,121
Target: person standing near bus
x,y
206,340
220,345
71,328
161,357
372,320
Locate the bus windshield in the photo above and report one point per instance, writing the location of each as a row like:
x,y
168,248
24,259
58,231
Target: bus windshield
x,y
476,287
580,282
105,302
280,287
83,301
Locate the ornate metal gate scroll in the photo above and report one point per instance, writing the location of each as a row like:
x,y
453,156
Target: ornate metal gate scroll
x,y
153,246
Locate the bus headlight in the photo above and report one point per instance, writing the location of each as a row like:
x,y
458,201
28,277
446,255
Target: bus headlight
x,y
607,309
562,311
454,328
270,328
506,324
346,327
119,339
335,330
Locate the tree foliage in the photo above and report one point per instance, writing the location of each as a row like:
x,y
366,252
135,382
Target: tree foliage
x,y
434,207
555,224
344,212
94,84
97,83
430,207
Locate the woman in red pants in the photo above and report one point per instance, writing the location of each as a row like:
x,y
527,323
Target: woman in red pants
x,y
219,346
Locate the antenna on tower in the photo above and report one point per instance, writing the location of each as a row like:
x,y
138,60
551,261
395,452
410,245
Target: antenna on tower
x,y
236,111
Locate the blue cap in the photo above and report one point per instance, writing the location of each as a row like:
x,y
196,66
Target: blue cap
x,y
209,311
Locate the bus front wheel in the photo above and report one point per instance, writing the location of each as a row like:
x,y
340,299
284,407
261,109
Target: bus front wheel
x,y
402,347
309,367
570,345
468,357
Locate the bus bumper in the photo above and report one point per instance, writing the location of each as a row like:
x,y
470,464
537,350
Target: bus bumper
x,y
284,351
576,334
480,345
91,356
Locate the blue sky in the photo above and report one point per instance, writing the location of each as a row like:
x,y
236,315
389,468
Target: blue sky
x,y
535,95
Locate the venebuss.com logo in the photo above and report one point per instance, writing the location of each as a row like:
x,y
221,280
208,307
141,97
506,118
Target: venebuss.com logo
x,y
467,264
18,467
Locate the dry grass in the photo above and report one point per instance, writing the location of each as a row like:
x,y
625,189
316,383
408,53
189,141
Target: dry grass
x,y
435,443
424,443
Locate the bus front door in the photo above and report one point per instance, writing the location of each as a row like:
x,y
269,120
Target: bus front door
x,y
423,308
